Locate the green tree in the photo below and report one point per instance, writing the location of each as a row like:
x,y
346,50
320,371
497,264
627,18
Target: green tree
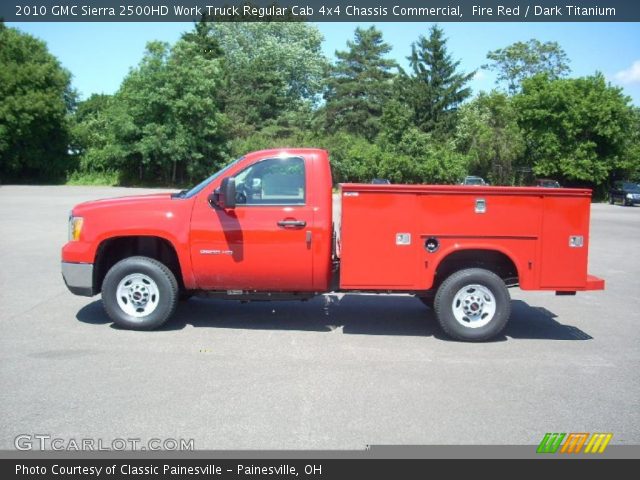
x,y
489,133
270,68
629,165
574,128
207,45
89,122
435,88
522,60
165,123
421,158
396,119
35,101
353,158
359,85
93,139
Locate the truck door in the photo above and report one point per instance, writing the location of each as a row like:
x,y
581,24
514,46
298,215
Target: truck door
x,y
264,243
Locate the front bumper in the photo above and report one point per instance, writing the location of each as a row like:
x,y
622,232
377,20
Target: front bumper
x,y
79,278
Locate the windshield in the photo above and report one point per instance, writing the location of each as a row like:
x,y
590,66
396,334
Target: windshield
x,y
198,188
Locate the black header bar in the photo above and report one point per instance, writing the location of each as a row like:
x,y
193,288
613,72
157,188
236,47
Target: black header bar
x,y
320,10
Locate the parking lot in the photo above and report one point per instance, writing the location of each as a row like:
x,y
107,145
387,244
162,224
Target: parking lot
x,y
337,372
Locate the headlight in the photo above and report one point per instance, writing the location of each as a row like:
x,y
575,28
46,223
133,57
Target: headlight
x,y
629,196
75,227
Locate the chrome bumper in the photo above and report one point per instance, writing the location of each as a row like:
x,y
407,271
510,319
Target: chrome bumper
x,y
79,278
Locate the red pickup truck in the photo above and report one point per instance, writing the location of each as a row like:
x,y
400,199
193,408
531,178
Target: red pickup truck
x,y
262,229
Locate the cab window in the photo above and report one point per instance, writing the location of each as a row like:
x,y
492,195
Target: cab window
x,y
274,181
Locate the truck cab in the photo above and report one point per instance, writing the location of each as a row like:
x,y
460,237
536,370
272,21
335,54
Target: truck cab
x,y
273,231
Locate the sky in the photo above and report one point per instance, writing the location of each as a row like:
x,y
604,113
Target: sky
x,y
99,55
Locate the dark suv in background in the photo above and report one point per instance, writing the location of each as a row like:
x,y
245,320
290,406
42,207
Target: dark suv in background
x,y
473,180
547,183
627,193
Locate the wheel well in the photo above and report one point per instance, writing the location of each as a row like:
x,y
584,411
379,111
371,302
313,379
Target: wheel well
x,y
112,250
492,260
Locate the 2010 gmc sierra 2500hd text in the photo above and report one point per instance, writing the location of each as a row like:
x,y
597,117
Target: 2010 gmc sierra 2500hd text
x,y
261,229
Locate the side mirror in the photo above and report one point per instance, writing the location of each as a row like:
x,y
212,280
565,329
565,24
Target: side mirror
x,y
225,196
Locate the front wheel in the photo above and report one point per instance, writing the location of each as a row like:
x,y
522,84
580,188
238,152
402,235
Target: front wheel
x,y
473,305
139,293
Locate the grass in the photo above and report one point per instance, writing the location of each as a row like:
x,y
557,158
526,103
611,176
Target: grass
x,y
107,178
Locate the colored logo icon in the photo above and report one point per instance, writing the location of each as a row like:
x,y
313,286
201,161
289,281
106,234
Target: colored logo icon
x,y
574,442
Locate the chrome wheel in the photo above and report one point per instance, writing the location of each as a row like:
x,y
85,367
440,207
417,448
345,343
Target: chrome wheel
x,y
137,295
474,306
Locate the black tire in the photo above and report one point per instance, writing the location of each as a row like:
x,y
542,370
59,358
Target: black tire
x,y
446,305
149,270
610,199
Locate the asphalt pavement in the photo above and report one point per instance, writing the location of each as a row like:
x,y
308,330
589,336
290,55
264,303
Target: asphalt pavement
x,y
337,372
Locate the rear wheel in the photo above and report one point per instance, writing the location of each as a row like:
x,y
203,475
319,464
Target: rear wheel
x,y
473,305
139,293
610,199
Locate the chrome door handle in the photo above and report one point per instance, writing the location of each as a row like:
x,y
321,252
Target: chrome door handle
x,y
292,223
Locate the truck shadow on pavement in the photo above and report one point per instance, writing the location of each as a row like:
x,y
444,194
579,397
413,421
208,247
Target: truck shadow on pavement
x,y
352,314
